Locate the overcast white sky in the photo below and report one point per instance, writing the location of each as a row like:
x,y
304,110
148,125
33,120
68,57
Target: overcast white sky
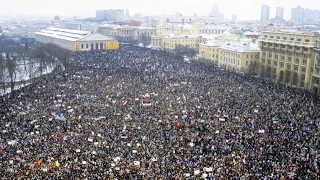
x,y
246,9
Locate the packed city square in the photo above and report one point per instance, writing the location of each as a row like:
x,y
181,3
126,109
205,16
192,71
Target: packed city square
x,y
138,113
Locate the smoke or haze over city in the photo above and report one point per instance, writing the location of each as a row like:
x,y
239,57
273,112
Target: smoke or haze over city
x,y
246,9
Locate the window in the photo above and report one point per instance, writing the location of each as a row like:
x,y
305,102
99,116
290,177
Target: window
x,y
251,56
87,46
299,40
278,37
271,37
265,36
291,39
82,46
247,56
246,63
284,38
307,40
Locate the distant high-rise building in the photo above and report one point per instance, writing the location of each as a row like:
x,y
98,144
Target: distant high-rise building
x,y
297,13
279,14
127,13
308,14
234,17
110,15
316,14
265,13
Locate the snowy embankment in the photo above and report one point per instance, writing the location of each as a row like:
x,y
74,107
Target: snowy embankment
x,y
24,73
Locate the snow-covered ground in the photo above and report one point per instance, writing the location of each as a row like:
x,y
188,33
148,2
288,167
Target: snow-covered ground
x,y
24,73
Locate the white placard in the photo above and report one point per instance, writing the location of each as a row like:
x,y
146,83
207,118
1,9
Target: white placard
x,y
209,169
261,131
196,172
136,163
77,150
134,151
84,162
222,119
90,140
204,175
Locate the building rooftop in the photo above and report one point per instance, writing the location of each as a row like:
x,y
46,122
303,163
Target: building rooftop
x,y
239,46
96,37
293,31
66,34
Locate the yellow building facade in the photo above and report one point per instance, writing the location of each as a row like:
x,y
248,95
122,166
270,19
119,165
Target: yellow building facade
x,y
209,51
288,57
75,40
237,56
169,43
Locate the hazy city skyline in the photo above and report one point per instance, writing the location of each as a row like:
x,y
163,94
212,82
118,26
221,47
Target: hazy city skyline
x,y
245,9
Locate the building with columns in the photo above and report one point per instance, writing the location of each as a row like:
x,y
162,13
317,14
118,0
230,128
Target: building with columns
x,y
288,57
127,33
316,70
75,40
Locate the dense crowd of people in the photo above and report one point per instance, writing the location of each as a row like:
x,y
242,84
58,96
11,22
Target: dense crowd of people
x,y
137,113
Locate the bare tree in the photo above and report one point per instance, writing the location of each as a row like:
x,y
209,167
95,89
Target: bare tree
x,y
11,65
2,70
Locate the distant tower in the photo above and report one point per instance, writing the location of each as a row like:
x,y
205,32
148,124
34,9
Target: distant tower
x,y
56,17
127,13
234,17
279,14
215,12
265,13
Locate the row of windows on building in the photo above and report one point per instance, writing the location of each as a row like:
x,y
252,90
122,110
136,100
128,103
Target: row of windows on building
x,y
286,38
288,47
94,46
212,31
288,66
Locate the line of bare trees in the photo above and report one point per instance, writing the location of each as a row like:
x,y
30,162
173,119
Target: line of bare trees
x,y
33,58
185,51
